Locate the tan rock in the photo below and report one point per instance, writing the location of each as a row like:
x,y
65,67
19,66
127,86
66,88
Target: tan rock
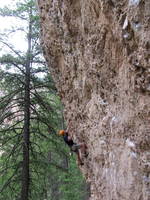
x,y
99,55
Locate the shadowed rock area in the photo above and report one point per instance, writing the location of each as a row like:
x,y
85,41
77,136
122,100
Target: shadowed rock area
x,y
98,52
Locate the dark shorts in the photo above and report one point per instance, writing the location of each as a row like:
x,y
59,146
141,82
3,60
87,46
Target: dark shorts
x,y
75,147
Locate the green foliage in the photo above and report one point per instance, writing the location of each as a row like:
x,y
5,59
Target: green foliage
x,y
73,186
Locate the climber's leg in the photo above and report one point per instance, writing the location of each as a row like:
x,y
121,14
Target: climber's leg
x,y
77,149
83,149
79,158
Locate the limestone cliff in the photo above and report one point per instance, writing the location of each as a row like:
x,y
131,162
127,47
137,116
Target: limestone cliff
x,y
99,54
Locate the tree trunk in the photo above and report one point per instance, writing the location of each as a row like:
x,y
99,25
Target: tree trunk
x,y
26,131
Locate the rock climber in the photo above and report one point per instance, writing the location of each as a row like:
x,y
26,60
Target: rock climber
x,y
77,148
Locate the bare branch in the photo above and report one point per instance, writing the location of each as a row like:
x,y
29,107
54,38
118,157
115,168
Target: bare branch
x,y
8,116
11,48
8,139
13,126
8,182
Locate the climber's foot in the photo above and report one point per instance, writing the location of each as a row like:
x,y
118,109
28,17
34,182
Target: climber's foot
x,y
81,163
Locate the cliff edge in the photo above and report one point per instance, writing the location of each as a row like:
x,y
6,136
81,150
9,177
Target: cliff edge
x,y
98,52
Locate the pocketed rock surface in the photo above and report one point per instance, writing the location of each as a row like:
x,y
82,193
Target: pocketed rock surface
x,y
98,52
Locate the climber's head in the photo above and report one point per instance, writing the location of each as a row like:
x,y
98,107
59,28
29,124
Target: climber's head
x,y
61,132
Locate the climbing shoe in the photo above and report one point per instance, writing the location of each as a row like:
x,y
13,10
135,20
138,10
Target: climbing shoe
x,y
81,164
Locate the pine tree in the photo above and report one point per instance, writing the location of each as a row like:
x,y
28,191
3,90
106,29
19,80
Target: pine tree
x,y
27,103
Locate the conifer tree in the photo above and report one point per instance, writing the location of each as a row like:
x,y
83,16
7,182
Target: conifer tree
x,y
27,102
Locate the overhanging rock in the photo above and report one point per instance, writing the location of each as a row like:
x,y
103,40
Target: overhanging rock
x,y
98,54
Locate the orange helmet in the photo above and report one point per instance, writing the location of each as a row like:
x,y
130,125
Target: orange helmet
x,y
61,132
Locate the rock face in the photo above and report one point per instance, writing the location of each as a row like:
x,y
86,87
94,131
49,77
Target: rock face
x,y
98,52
